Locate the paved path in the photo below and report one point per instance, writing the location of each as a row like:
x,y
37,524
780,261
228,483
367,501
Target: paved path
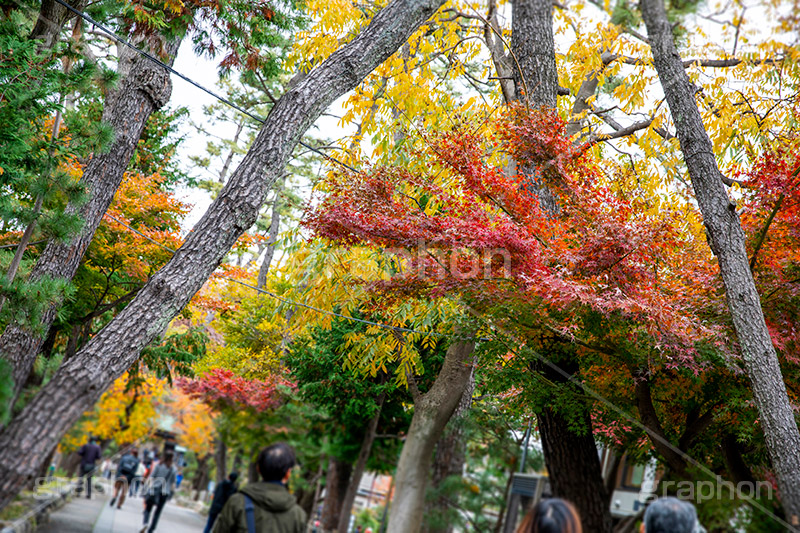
x,y
97,516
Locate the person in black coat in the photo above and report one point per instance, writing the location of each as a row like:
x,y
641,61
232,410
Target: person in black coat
x,y
224,490
90,453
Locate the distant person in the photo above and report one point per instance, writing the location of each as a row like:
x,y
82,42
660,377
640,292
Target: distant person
x,y
551,515
90,453
223,492
266,506
126,471
161,487
671,515
141,473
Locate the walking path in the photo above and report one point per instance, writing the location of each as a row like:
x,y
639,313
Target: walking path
x,y
96,516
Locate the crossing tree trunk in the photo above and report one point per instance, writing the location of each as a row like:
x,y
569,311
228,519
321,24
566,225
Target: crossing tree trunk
x,y
80,382
727,241
144,88
432,411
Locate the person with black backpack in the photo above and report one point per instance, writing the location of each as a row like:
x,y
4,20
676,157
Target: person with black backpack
x,y
223,492
160,488
126,471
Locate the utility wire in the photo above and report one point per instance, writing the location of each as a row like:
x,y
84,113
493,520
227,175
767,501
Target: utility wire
x,y
185,78
260,120
301,304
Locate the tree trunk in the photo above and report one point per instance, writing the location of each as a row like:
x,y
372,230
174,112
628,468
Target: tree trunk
x,y
573,466
359,467
336,481
727,240
79,383
448,461
200,476
220,458
274,227
572,460
432,411
143,89
51,20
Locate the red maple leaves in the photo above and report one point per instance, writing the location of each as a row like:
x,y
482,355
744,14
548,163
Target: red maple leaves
x,y
221,388
467,226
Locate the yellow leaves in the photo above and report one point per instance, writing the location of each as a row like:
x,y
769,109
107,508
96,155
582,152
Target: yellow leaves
x,y
125,414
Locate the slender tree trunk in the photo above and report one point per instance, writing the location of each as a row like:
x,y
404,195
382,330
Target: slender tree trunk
x,y
143,89
359,467
79,382
274,227
432,411
51,20
727,240
200,476
448,461
220,458
336,482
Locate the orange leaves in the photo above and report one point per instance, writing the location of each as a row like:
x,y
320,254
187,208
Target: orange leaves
x,y
467,227
141,203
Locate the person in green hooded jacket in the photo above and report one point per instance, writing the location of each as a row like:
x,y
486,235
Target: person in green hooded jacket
x,y
266,506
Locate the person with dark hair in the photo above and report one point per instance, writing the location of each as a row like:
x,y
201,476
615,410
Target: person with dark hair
x,y
266,506
671,515
161,487
222,493
90,453
126,471
551,515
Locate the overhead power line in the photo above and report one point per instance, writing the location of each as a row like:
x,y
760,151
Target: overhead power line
x,y
260,120
187,79
287,301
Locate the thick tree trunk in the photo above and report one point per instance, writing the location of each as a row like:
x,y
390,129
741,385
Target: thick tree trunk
x,y
79,382
359,467
432,411
572,460
336,481
143,89
573,466
448,461
727,240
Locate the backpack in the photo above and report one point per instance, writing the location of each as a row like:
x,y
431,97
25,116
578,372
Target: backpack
x,y
127,465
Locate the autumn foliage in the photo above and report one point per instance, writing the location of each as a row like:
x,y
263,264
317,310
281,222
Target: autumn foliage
x,y
468,226
221,388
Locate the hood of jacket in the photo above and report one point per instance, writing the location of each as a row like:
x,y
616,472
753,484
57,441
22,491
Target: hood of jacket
x,y
269,496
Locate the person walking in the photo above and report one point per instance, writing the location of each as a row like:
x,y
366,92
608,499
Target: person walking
x,y
161,487
90,453
126,471
223,492
141,472
551,515
266,506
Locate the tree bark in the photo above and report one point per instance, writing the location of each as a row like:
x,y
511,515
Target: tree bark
x,y
220,458
359,467
573,466
432,411
79,383
51,20
572,460
727,241
143,89
448,461
336,481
